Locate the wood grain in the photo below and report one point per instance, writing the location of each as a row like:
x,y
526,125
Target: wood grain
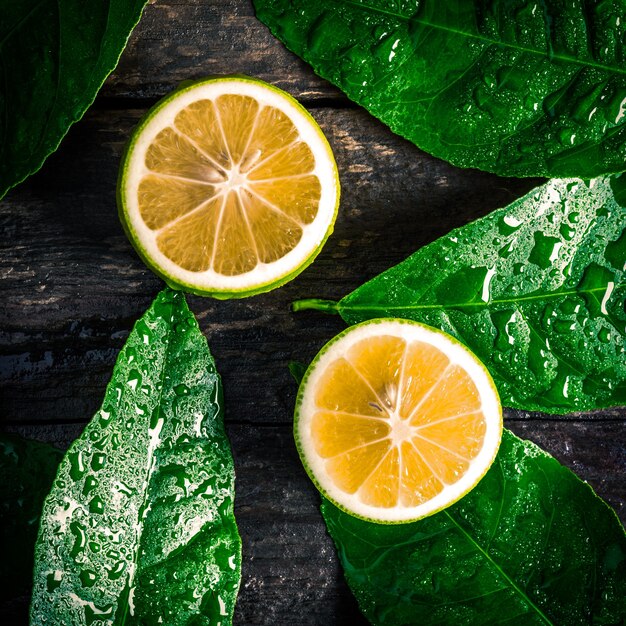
x,y
179,40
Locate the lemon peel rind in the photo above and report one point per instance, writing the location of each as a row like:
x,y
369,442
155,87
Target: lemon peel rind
x,y
377,515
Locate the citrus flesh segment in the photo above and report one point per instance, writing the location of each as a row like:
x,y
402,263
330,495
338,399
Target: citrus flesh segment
x,y
337,433
228,188
163,199
296,196
191,240
200,123
396,420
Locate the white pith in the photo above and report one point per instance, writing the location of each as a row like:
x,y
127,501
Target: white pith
x,y
400,428
313,234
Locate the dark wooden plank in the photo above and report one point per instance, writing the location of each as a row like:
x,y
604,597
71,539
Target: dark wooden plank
x,y
290,571
72,287
179,40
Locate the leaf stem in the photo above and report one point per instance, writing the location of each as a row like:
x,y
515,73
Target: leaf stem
x,y
327,306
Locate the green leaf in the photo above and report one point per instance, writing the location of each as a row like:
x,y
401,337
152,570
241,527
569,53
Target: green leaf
x,y
537,290
55,55
531,544
297,370
512,87
139,525
27,469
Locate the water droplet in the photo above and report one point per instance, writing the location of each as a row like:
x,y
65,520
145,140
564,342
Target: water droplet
x,y
97,461
94,613
77,465
563,326
181,390
88,578
545,250
567,137
90,484
506,250
116,570
96,505
53,580
134,379
104,418
596,285
465,285
486,290
80,538
503,322
569,307
489,80
567,232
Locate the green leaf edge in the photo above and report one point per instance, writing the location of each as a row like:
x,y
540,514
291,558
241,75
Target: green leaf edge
x,y
39,164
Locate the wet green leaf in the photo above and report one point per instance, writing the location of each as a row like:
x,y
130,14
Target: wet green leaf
x,y
530,545
139,525
519,88
537,290
55,56
27,469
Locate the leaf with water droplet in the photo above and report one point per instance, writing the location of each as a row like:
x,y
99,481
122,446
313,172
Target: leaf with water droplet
x,y
531,544
517,88
130,533
550,313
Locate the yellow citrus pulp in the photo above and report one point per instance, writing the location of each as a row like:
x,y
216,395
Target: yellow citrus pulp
x,y
228,188
396,420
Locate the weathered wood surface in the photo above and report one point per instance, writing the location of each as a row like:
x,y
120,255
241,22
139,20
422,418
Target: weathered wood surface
x,y
71,287
187,39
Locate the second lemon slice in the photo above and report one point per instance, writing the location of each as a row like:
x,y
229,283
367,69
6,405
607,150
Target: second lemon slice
x,y
228,188
396,420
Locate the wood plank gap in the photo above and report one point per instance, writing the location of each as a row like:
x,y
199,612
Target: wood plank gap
x,y
329,103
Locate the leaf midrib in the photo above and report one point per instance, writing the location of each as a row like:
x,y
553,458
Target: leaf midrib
x,y
462,305
149,472
490,559
488,40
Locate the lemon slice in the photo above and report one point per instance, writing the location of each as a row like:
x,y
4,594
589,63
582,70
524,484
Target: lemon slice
x,y
228,188
396,420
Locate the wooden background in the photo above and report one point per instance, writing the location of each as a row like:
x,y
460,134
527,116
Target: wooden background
x,y
72,287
